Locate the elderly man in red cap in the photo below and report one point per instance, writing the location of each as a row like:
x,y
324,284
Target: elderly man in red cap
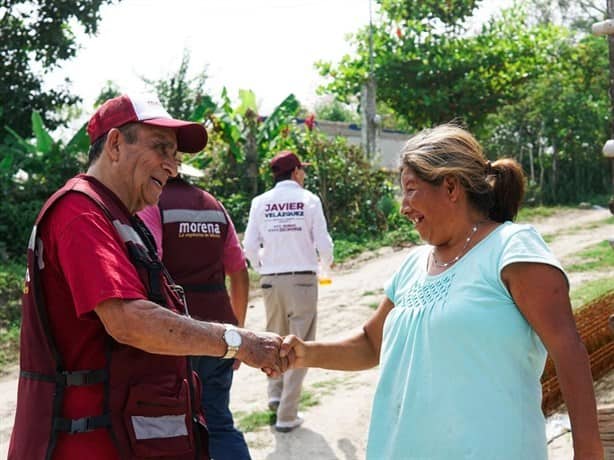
x,y
286,232
105,331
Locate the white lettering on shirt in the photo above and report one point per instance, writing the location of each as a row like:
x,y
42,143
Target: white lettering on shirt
x,y
199,230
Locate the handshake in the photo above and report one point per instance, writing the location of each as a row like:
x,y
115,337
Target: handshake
x,y
273,354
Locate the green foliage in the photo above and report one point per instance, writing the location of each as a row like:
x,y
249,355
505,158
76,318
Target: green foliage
x,y
351,190
450,12
528,88
9,346
109,91
429,73
358,200
276,125
247,422
37,36
30,171
11,284
179,94
557,127
239,142
333,110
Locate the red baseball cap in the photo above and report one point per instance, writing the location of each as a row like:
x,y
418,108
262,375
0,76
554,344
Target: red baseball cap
x,y
191,137
285,161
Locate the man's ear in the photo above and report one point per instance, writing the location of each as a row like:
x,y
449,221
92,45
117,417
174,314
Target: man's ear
x,y
112,144
452,186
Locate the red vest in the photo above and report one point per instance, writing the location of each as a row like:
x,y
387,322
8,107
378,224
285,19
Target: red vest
x,y
152,402
195,227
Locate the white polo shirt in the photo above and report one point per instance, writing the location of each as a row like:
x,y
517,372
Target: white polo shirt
x,y
286,227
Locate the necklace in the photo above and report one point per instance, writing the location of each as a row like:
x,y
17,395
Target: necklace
x,y
474,229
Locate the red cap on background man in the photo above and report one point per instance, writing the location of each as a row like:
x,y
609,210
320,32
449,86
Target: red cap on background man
x,y
284,162
146,109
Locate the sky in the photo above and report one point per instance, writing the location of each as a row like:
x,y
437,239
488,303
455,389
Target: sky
x,y
268,46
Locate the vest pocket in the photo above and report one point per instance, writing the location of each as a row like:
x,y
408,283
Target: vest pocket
x,y
158,421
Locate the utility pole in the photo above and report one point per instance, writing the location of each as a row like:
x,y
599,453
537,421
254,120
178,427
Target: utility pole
x,y
370,120
607,28
369,127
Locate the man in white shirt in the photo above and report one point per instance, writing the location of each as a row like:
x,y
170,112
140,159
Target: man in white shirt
x,y
286,232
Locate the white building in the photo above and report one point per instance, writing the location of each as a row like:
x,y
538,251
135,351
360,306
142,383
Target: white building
x,y
389,143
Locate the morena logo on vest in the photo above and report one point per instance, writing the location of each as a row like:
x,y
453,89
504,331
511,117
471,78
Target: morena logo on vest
x,y
199,230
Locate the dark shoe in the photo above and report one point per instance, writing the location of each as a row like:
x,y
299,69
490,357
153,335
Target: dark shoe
x,y
286,427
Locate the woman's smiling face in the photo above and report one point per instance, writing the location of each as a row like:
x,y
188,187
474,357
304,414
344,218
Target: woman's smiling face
x,y
426,205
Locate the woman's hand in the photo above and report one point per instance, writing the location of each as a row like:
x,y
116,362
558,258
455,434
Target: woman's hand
x,y
295,350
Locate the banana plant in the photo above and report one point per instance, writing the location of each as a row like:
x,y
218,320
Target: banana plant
x,y
247,137
42,156
30,170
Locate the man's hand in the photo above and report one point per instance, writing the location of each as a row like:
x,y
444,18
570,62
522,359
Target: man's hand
x,y
261,350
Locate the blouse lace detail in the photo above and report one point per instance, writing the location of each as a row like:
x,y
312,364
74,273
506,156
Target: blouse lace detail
x,y
428,293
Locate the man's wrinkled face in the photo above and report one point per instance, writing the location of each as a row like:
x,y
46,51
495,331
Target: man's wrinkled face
x,y
147,164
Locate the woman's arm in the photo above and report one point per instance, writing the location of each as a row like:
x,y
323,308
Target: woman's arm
x,y
541,293
358,352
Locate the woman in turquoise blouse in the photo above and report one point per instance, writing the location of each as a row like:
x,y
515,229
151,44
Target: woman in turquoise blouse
x,y
463,331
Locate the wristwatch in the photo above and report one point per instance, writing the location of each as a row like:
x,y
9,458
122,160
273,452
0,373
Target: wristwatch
x,y
233,341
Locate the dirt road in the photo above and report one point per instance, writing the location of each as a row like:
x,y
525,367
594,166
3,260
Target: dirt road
x,y
336,426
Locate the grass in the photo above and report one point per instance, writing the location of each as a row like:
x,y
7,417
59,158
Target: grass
x,y
348,247
252,421
548,238
376,292
9,346
528,214
11,285
257,419
328,386
590,290
597,257
608,221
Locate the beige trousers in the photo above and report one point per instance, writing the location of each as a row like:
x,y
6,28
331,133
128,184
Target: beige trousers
x,y
291,308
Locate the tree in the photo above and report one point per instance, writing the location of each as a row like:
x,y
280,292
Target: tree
x,y
37,36
30,171
451,13
558,126
577,14
178,93
333,110
430,70
109,91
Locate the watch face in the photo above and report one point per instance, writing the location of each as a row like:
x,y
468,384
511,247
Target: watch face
x,y
233,338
